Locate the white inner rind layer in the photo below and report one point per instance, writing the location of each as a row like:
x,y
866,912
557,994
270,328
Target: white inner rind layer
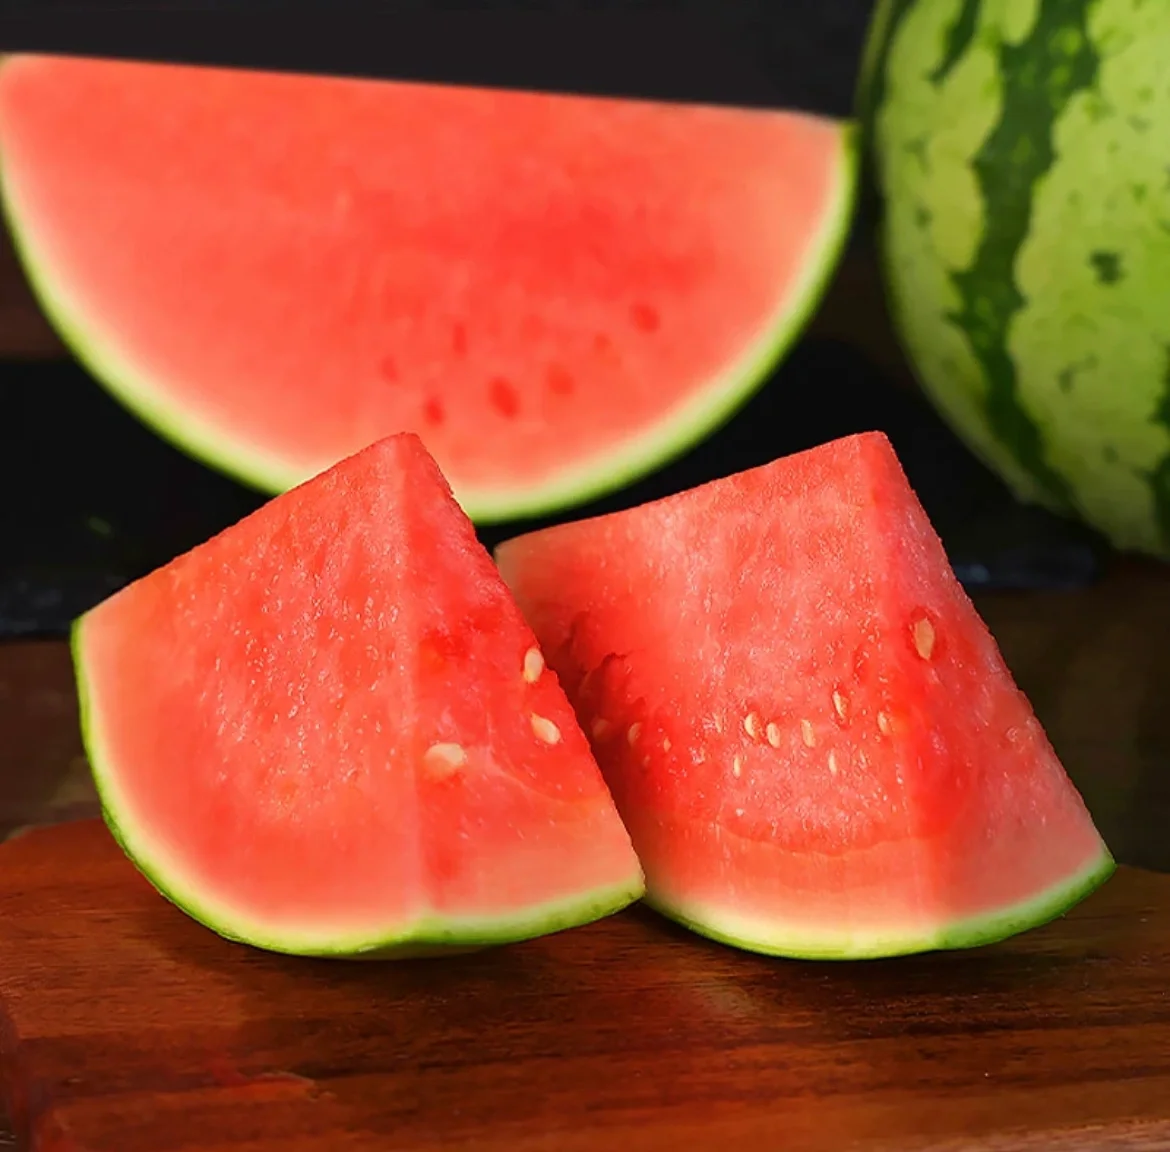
x,y
812,941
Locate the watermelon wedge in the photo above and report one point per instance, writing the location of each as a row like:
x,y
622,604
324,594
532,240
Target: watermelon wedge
x,y
329,731
276,270
810,733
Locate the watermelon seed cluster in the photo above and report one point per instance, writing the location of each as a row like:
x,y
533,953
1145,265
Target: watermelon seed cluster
x,y
531,669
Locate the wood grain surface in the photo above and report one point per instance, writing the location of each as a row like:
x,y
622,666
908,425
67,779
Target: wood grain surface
x,y
127,1027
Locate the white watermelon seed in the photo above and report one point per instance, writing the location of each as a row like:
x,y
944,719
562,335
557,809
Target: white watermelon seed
x,y
545,730
444,758
923,637
736,766
666,744
839,704
718,723
739,811
884,724
832,762
751,725
634,732
533,665
772,732
601,728
808,734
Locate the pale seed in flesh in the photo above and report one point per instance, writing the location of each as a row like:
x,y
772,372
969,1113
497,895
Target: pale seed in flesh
x,y
443,759
533,665
923,638
545,730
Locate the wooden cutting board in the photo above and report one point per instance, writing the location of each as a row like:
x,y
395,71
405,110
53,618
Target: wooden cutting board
x,y
127,1027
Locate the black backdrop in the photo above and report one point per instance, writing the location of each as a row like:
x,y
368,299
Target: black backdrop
x,y
784,53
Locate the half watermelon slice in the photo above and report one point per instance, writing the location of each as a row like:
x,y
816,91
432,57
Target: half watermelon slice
x,y
809,732
329,731
276,270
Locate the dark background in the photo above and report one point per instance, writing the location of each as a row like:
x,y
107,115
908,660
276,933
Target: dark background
x,y
781,53
92,499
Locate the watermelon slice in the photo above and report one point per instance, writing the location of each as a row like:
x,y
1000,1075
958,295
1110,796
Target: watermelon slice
x,y
329,731
276,270
808,730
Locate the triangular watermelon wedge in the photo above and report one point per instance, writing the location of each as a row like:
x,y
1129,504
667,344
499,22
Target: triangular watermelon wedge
x,y
809,732
329,731
275,270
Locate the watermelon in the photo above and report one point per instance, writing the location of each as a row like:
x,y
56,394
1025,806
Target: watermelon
x,y
1025,236
275,270
808,730
329,731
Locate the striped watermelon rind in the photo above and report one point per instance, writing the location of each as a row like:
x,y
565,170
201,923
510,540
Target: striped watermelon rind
x,y
1025,240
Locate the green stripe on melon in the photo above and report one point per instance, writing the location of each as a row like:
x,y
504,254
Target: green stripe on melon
x,y
725,238
1026,240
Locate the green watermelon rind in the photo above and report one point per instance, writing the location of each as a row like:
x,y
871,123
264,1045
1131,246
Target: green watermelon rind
x,y
421,938
674,434
867,96
974,932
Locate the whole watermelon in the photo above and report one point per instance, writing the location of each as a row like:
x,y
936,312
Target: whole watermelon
x,y
1021,149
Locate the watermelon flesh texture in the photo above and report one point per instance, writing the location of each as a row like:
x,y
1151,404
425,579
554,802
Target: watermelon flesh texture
x,y
809,732
328,730
276,270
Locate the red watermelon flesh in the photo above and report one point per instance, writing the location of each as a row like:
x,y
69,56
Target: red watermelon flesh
x,y
809,732
275,270
329,730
